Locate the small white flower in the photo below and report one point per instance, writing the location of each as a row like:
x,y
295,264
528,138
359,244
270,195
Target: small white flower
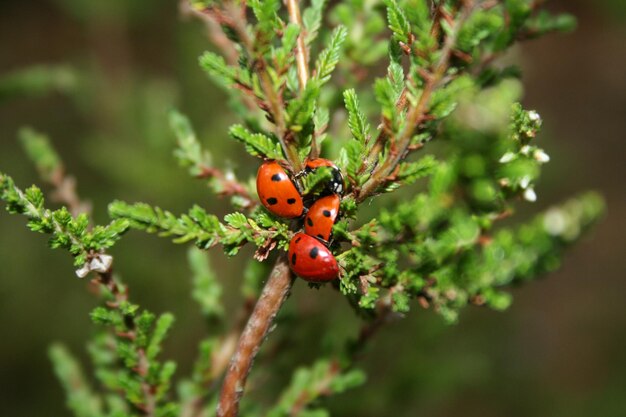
x,y
534,116
525,149
82,271
524,182
99,263
541,156
530,195
507,157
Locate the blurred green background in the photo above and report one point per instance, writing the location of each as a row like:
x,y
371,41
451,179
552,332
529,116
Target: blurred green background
x,y
120,65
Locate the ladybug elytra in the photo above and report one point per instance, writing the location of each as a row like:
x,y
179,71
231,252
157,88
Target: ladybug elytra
x,y
311,260
321,217
277,192
336,183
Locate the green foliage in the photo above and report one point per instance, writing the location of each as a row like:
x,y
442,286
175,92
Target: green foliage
x,y
329,57
218,69
204,229
197,226
283,56
266,12
300,111
409,172
323,378
207,290
40,151
189,152
359,127
312,19
443,248
67,232
257,144
398,22
199,161
36,81
449,260
81,398
125,355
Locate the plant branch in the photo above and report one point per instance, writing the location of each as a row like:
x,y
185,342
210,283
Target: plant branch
x,y
385,134
120,296
417,113
64,192
234,16
302,56
272,297
219,39
342,362
219,361
302,60
230,186
368,330
322,387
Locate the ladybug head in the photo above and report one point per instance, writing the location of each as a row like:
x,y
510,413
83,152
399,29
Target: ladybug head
x,y
336,183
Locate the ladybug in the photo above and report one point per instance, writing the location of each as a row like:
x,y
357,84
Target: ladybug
x,y
336,184
311,260
277,192
321,217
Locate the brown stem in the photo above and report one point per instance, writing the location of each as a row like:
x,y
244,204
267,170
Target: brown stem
x,y
64,192
301,50
149,407
230,186
219,362
370,329
302,61
272,298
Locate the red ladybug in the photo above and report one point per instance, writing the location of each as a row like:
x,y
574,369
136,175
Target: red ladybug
x,y
277,192
321,217
336,184
311,260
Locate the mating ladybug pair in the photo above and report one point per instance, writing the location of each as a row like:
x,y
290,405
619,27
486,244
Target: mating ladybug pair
x,y
309,256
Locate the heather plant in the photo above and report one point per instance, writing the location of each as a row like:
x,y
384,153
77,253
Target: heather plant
x,y
416,103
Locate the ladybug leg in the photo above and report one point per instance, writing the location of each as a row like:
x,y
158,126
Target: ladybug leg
x,y
300,174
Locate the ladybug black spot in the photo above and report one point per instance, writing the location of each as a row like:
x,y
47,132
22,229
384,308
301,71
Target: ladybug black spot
x,y
326,213
313,253
291,201
298,239
293,259
271,201
309,221
277,177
